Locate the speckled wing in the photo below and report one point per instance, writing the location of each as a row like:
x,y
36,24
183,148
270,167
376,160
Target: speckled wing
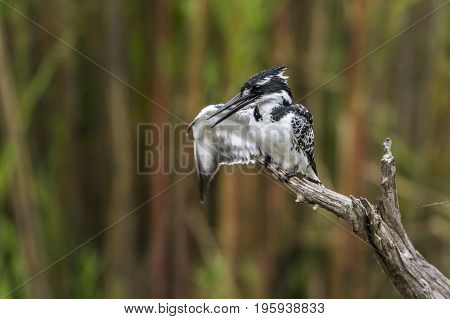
x,y
227,144
303,139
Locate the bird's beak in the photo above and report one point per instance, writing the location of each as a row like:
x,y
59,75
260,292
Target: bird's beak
x,y
239,101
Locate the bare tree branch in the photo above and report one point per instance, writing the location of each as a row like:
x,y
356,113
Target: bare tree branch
x,y
380,226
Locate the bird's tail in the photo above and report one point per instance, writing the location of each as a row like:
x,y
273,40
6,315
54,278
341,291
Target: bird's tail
x,y
311,174
311,170
206,169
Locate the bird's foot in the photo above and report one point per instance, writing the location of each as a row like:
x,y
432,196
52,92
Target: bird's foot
x,y
267,161
288,176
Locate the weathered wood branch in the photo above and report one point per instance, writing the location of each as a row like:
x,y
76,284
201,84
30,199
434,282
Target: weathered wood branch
x,y
380,226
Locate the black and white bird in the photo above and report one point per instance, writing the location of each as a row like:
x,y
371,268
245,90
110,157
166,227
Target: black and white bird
x,y
260,120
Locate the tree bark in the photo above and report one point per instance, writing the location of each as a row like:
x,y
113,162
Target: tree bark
x,y
380,226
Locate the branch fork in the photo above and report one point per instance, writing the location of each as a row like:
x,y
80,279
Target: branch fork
x,y
379,225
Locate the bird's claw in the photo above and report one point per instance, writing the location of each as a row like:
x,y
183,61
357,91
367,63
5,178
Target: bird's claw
x,y
267,161
288,176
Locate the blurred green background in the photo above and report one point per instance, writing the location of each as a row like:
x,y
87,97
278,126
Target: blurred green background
x,y
72,96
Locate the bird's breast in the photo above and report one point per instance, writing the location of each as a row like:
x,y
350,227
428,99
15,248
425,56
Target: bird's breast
x,y
275,139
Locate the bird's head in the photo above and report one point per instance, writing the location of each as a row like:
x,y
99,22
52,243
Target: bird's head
x,y
267,86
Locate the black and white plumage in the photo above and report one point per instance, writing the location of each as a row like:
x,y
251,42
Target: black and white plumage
x,y
224,144
261,120
302,134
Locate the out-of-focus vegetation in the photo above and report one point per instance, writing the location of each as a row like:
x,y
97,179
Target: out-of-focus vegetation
x,y
68,155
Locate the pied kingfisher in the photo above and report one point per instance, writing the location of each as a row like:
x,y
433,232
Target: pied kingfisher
x,y
261,120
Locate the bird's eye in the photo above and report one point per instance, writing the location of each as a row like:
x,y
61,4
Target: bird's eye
x,y
256,89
